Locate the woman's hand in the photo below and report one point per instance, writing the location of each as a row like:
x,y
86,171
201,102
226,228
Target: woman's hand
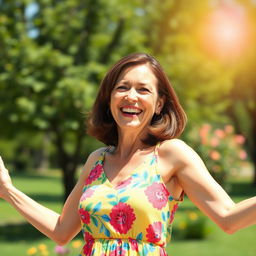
x,y
5,180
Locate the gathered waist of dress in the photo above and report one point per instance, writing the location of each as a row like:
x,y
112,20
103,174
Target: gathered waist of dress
x,y
122,246
123,240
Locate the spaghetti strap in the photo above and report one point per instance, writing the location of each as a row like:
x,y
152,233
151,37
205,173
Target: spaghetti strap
x,y
156,154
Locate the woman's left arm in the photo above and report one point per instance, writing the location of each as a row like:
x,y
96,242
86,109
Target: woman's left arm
x,y
208,195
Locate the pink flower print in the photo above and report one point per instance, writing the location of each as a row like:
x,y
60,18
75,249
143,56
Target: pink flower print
x,y
154,232
122,217
87,193
87,249
174,209
163,252
157,195
94,174
84,215
134,244
124,183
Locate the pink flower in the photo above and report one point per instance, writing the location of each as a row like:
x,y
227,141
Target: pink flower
x,y
154,232
157,195
134,244
229,128
87,249
239,139
215,155
174,209
163,252
215,142
61,250
87,193
124,183
85,216
94,174
122,217
219,133
242,154
203,132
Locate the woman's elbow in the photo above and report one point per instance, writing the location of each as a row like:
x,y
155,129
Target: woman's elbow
x,y
228,228
62,239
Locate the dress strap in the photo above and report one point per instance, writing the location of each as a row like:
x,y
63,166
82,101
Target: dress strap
x,y
156,153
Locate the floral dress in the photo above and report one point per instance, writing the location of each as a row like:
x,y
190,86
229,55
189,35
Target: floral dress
x,y
130,219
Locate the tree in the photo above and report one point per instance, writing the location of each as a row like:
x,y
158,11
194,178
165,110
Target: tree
x,y
53,55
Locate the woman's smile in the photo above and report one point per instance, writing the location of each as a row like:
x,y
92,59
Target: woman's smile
x,y
134,99
130,111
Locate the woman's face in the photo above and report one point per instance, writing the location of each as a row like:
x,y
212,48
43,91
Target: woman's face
x,y
134,99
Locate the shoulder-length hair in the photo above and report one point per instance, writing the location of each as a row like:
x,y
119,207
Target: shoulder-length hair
x,y
169,124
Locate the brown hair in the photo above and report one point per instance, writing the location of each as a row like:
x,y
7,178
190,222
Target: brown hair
x,y
169,124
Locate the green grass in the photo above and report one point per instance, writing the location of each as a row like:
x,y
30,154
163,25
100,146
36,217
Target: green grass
x,y
16,236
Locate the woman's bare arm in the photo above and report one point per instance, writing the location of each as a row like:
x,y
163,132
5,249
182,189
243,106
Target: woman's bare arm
x,y
207,194
61,228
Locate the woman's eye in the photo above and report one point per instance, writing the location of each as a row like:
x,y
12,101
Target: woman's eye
x,y
121,87
144,89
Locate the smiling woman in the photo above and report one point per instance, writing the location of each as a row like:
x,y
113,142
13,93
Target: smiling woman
x,y
137,78
128,192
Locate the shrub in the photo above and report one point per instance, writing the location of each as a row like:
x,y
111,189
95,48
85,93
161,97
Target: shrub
x,y
193,225
221,149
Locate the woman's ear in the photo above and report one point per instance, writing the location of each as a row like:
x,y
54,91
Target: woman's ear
x,y
160,104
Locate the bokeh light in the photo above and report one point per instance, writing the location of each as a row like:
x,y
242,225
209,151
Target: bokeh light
x,y
226,31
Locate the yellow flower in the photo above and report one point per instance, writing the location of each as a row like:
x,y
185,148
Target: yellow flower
x,y
32,251
182,225
42,247
193,216
44,253
76,244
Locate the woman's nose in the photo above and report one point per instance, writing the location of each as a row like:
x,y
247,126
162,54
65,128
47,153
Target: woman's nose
x,y
132,95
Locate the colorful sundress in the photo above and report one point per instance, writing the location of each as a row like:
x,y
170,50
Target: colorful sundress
x,y
130,219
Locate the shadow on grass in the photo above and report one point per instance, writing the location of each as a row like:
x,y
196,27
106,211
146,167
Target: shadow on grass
x,y
35,176
16,232
242,189
12,233
46,198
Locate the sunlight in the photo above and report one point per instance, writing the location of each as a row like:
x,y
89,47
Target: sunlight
x,y
226,32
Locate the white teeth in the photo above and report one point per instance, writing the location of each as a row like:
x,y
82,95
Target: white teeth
x,y
131,110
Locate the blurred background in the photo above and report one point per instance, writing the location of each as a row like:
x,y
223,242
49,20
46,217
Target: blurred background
x,y
53,55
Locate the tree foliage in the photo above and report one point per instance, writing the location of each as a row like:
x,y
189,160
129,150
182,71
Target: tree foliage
x,y
54,54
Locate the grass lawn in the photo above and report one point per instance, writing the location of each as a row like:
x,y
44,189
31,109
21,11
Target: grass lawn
x,y
16,236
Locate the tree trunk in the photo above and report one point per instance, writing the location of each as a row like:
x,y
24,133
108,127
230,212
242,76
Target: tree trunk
x,y
67,162
68,180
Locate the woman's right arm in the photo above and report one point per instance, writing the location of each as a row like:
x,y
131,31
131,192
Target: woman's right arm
x,y
61,228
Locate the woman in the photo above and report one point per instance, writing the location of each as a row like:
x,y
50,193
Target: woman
x,y
128,192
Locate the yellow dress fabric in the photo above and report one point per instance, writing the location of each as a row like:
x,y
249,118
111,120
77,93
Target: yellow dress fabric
x,y
130,219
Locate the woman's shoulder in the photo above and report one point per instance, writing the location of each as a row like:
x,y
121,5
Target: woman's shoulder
x,y
94,155
176,149
92,158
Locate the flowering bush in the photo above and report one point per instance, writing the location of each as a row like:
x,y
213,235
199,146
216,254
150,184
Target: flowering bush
x,y
193,225
69,250
221,150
